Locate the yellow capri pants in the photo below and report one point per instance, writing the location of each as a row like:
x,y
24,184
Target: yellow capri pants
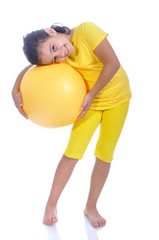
x,y
111,123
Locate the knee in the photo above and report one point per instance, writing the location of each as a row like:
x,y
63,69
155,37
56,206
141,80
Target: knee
x,y
102,163
69,159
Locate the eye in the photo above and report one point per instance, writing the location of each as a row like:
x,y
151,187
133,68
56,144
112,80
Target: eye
x,y
53,48
55,59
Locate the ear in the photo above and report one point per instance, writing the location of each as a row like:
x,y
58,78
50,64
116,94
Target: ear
x,y
50,31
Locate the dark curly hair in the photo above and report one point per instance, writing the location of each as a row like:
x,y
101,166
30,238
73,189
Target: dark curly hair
x,y
32,40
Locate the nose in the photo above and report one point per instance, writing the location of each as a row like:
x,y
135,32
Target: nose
x,y
59,52
60,55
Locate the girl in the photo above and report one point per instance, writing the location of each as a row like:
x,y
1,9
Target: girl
x,y
87,49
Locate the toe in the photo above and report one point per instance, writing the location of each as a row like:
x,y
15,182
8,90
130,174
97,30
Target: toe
x,y
53,220
94,223
47,222
102,223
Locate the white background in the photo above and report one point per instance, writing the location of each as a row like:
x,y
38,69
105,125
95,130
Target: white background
x,y
29,153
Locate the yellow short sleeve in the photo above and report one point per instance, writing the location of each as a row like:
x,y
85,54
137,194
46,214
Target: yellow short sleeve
x,y
93,34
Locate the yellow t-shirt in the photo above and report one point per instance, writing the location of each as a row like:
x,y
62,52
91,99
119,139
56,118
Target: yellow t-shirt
x,y
86,37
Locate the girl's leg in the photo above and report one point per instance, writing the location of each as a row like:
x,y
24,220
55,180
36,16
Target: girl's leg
x,y
62,175
98,178
111,127
81,134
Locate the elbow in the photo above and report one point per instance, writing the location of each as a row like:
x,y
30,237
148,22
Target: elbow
x,y
116,65
113,66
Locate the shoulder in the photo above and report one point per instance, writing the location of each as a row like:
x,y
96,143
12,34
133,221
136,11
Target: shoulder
x,y
87,25
90,33
89,28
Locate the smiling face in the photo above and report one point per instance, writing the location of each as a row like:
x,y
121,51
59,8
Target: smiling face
x,y
56,48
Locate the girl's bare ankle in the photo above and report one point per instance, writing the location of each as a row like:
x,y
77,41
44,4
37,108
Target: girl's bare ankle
x,y
91,206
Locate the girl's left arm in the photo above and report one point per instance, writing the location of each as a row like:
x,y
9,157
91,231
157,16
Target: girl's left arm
x,y
111,64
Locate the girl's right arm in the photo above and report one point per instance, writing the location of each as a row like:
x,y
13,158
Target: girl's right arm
x,y
16,95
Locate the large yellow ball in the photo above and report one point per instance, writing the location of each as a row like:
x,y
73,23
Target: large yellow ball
x,y
52,94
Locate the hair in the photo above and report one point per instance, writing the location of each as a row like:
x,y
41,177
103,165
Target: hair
x,y
32,41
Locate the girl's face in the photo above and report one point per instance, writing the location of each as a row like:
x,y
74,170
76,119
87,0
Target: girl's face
x,y
56,48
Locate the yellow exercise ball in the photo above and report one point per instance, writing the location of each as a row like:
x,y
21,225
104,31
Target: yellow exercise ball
x,y
52,94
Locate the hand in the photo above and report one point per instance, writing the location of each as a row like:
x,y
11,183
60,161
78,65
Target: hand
x,y
86,105
17,98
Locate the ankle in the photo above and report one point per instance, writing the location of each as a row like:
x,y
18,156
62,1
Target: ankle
x,y
51,203
90,206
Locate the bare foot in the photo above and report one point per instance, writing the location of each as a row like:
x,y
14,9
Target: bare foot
x,y
50,216
94,217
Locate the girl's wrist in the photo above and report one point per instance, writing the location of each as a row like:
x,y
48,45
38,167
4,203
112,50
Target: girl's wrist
x,y
15,91
91,93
